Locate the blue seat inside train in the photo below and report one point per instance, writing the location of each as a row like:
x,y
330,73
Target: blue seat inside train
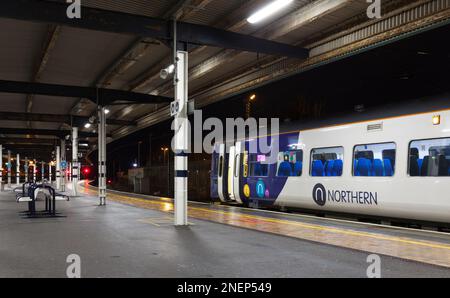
x,y
363,167
377,168
337,167
331,168
298,168
285,169
420,163
288,169
388,168
318,169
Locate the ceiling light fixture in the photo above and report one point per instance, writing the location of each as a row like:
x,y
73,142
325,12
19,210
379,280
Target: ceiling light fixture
x,y
268,10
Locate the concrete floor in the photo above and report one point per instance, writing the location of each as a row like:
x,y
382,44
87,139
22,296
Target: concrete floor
x,y
124,241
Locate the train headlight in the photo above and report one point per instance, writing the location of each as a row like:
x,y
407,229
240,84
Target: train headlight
x,y
436,120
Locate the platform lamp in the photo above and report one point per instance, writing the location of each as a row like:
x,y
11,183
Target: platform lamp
x,y
248,107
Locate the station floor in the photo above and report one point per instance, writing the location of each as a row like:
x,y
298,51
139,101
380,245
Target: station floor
x,y
133,236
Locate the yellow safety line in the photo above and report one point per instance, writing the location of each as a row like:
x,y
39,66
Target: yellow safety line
x,y
334,230
307,226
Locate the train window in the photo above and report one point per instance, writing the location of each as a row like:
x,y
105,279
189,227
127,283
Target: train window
x,y
374,160
327,162
221,166
290,163
429,158
258,167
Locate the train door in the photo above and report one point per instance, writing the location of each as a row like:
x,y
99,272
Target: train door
x,y
231,167
237,175
221,174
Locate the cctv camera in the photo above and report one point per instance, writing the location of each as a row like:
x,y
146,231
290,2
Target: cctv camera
x,y
164,74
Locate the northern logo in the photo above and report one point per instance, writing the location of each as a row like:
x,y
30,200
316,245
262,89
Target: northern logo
x,y
320,195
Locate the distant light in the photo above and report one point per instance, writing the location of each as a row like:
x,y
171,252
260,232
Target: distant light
x,y
268,10
253,97
107,111
436,120
87,125
135,165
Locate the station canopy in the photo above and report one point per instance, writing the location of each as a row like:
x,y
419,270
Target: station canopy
x,y
54,70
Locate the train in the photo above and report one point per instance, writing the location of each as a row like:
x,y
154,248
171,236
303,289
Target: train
x,y
392,163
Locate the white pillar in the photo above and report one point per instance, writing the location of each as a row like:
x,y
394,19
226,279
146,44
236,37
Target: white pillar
x,y
102,156
34,171
75,169
1,164
181,140
25,169
63,170
58,168
18,170
9,168
50,173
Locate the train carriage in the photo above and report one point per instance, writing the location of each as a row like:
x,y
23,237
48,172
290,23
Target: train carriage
x,y
393,167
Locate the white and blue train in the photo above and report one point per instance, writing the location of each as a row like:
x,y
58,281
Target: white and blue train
x,y
392,167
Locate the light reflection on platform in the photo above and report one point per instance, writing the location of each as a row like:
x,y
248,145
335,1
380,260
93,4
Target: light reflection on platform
x,y
368,240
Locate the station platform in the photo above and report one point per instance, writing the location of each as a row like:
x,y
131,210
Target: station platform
x,y
134,236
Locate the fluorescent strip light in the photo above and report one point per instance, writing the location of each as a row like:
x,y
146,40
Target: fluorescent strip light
x,y
268,10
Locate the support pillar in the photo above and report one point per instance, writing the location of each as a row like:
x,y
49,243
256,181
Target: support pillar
x,y
35,171
181,139
9,168
58,168
50,172
25,169
18,170
102,156
75,167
